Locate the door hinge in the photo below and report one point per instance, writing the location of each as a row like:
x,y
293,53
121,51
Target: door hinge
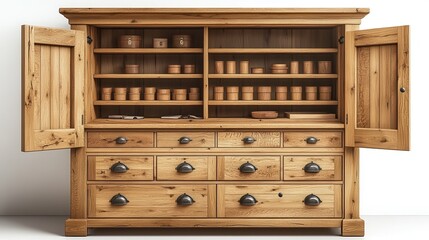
x,y
347,118
341,40
82,119
89,39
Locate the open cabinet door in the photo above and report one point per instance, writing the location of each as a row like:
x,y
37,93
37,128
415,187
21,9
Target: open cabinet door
x,y
377,88
52,88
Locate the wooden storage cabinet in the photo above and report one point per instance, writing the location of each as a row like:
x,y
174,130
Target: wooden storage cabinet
x,y
153,147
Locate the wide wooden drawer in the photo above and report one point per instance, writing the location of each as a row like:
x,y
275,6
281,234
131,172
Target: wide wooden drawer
x,y
313,139
150,201
120,139
185,139
186,168
287,201
312,167
248,167
120,168
249,139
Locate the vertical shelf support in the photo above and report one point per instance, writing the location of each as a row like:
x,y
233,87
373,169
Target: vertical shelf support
x,y
206,74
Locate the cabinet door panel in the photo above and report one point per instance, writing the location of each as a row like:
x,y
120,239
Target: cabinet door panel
x,y
52,88
377,93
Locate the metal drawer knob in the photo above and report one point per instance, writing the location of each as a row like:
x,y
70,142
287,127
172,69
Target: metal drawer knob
x,y
311,167
312,140
184,200
248,140
184,167
121,140
312,200
119,200
248,200
247,168
184,140
119,168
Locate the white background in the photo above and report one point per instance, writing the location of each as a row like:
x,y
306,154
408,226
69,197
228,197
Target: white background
x,y
392,182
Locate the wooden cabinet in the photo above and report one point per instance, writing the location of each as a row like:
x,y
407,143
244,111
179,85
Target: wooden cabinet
x,y
162,135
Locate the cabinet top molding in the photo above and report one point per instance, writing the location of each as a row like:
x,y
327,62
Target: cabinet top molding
x,y
214,16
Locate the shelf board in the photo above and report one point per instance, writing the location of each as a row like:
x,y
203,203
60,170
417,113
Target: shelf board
x,y
121,76
273,75
147,103
269,103
147,50
273,50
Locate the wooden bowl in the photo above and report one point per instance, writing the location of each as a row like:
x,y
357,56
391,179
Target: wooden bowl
x,y
265,114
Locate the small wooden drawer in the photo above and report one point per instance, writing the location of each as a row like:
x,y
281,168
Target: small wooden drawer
x,y
120,139
185,139
120,168
249,139
186,168
151,201
312,167
313,139
248,167
289,201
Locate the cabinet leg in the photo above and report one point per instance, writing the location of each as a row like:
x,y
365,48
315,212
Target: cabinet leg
x,y
76,228
353,228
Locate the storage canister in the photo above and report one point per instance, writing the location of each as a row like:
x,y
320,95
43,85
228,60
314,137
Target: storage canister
x,y
179,94
120,94
311,93
308,67
325,93
174,69
264,93
219,67
325,67
281,93
163,94
244,67
182,41
294,67
131,68
232,93
149,93
189,68
130,41
106,93
160,42
231,67
247,93
296,92
257,70
218,93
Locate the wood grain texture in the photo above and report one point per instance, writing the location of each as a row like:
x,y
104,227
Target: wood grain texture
x,y
205,168
235,139
268,167
78,177
351,183
324,139
353,228
331,167
271,205
76,228
140,168
199,139
108,139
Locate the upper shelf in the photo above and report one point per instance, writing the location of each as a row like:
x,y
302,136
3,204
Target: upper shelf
x,y
147,75
273,76
272,50
147,50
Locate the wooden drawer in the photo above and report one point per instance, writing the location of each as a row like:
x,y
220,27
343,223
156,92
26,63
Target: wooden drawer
x,y
197,139
151,201
237,139
312,167
120,139
176,167
120,168
313,139
279,201
267,167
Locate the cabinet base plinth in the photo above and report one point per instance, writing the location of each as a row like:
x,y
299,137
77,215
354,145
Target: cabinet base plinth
x,y
76,228
353,228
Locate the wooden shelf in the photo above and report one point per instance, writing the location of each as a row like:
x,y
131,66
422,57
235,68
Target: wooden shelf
x,y
269,103
121,76
147,103
147,50
273,75
273,50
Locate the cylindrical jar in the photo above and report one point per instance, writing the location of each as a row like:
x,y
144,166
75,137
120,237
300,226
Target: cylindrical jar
x,y
120,94
325,67
131,68
219,67
179,94
189,68
231,67
134,96
194,90
325,93
296,92
264,93
232,93
106,93
135,90
218,93
311,93
308,67
163,94
247,93
194,96
244,67
294,67
160,42
130,41
149,93
257,70
174,69
281,93
182,41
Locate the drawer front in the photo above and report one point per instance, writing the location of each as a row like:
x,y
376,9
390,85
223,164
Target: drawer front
x,y
186,168
149,201
312,167
185,139
248,167
120,139
278,201
120,168
313,139
249,139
